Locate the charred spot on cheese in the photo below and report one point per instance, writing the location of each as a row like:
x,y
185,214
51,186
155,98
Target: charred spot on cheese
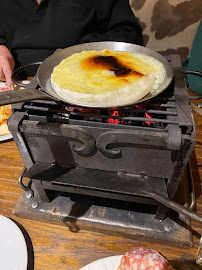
x,y
108,62
112,63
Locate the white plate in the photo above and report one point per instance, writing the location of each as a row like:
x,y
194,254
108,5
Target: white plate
x,y
13,248
5,137
108,263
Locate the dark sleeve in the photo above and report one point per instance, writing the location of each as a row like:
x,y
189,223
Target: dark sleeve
x,y
2,34
2,41
3,26
115,22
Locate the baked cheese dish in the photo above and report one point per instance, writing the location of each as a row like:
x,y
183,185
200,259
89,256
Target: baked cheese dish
x,y
106,78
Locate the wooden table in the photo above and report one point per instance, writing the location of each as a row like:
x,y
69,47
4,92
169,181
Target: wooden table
x,y
55,247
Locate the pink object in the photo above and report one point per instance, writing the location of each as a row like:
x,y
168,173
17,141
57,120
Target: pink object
x,y
4,89
144,259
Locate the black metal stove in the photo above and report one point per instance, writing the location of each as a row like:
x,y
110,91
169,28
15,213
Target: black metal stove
x,y
95,169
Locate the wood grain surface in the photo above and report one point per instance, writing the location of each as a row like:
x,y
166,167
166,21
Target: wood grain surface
x,y
55,247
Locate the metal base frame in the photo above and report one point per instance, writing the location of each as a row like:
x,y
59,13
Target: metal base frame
x,y
81,212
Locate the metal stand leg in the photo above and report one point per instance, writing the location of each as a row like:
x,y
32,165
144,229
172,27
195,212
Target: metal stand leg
x,y
41,191
173,181
161,211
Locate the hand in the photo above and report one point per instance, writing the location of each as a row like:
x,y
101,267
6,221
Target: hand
x,y
7,64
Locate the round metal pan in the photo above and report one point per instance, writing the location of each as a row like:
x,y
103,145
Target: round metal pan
x,y
46,68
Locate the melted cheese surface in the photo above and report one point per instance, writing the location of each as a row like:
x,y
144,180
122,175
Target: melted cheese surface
x,y
100,72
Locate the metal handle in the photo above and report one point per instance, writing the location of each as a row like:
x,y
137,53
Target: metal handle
x,y
173,205
21,95
199,74
193,72
191,186
198,97
168,140
21,69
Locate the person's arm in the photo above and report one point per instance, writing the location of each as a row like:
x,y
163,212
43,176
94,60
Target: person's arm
x,y
115,22
7,64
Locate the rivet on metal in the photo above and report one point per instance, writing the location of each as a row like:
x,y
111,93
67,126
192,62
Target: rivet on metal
x,y
167,229
29,194
35,204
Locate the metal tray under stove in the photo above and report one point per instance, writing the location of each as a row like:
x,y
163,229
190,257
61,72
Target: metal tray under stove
x,y
125,217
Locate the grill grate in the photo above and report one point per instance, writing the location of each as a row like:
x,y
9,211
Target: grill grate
x,y
155,113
